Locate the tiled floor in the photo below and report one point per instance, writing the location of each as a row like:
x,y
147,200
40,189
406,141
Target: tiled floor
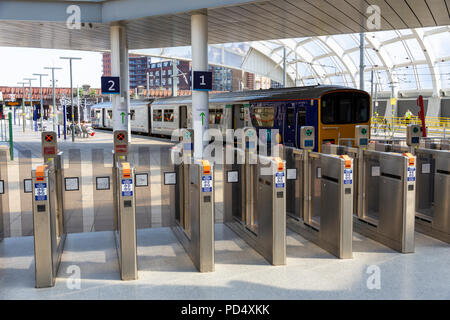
x,y
166,272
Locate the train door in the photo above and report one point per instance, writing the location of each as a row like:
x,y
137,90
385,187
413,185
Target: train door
x,y
301,121
183,117
103,125
238,116
289,125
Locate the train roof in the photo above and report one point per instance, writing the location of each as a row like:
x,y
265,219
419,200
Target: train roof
x,y
133,103
293,93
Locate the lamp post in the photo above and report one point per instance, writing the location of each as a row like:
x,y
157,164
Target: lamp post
x,y
23,103
41,103
71,94
31,98
54,94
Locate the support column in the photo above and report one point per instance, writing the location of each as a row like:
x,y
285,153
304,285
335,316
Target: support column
x,y
361,61
200,99
119,68
434,105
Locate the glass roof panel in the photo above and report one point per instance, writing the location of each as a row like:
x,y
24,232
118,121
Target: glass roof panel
x,y
440,43
397,52
313,48
424,75
346,41
406,78
415,49
444,73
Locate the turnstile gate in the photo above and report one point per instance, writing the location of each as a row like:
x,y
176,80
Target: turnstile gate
x,y
385,199
125,233
432,205
255,203
319,199
433,193
49,235
194,212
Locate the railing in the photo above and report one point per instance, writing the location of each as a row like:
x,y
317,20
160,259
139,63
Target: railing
x,y
435,125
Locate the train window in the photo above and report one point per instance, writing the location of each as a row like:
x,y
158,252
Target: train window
x,y
215,116
157,115
290,116
168,115
301,118
109,114
345,107
132,115
263,117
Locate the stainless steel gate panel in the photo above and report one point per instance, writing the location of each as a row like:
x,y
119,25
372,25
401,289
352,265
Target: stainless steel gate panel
x,y
327,220
125,233
255,205
73,210
294,185
102,191
437,222
49,233
393,223
196,233
4,201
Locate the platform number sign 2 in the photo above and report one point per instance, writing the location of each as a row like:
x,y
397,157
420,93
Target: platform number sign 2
x,y
202,81
110,85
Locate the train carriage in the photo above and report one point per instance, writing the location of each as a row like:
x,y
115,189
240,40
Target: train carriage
x,y
334,111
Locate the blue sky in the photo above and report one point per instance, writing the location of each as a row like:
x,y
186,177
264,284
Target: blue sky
x,y
19,63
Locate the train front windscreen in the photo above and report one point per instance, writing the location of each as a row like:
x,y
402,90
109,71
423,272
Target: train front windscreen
x,y
345,108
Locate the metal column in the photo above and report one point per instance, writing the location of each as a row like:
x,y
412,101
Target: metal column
x,y
199,43
119,68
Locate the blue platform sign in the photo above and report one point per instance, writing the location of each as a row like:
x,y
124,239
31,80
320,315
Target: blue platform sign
x,y
40,191
202,81
127,187
110,85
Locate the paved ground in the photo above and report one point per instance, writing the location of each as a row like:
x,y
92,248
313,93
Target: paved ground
x,y
166,272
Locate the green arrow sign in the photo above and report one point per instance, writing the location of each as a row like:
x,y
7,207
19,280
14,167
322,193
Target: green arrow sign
x,y
308,132
123,117
203,117
363,131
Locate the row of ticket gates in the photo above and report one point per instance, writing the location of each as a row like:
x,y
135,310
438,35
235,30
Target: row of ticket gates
x,y
382,192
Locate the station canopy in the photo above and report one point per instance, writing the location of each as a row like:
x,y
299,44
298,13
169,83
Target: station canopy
x,y
412,60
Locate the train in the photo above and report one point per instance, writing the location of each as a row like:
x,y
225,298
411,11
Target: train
x,y
334,111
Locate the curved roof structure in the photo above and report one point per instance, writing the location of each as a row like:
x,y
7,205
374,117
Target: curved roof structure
x,y
416,60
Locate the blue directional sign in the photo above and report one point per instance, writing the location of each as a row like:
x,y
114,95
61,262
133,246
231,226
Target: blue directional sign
x,y
202,81
110,85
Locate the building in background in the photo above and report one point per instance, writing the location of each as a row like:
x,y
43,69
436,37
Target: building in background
x,y
138,66
161,75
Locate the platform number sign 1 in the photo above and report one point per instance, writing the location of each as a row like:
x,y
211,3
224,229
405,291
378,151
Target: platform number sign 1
x,y
202,81
110,85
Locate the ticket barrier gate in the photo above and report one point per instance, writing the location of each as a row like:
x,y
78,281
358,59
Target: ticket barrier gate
x,y
194,205
432,205
319,199
255,202
385,199
125,232
48,222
